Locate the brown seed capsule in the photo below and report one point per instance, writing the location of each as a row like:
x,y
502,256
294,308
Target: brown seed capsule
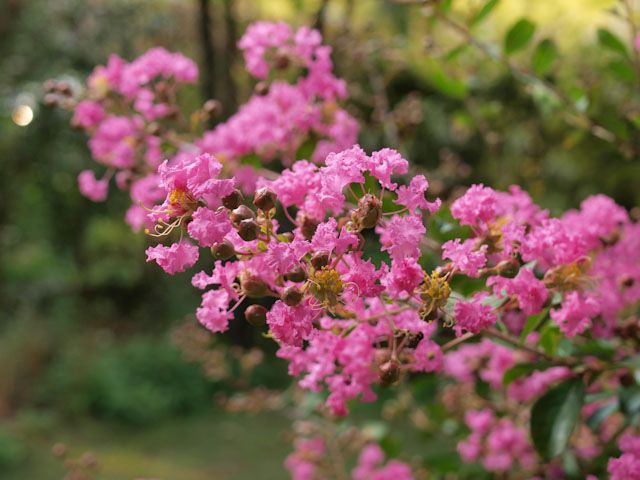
x,y
368,212
507,269
320,259
308,227
252,286
292,296
233,200
261,88
296,275
265,199
256,315
248,230
241,213
212,107
223,250
389,372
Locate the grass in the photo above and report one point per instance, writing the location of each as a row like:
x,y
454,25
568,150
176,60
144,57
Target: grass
x,y
214,446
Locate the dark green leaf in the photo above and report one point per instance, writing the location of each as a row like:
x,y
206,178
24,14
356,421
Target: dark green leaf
x,y
484,11
554,416
612,42
630,400
519,36
601,414
455,53
544,56
622,70
521,370
549,339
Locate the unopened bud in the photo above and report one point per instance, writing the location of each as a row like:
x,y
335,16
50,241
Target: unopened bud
x,y
296,275
256,315
241,213
59,450
49,85
261,88
389,372
233,200
253,286
51,99
248,230
507,269
282,61
223,250
320,259
212,107
64,88
368,212
265,199
308,227
292,296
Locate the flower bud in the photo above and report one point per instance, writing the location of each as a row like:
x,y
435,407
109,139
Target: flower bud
x,y
368,212
233,200
261,88
507,269
241,213
64,88
253,286
292,296
320,259
281,61
49,85
389,372
248,230
51,99
265,199
223,250
212,107
59,450
256,315
308,227
296,275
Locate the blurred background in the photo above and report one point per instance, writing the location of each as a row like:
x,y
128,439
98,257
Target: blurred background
x,y
98,354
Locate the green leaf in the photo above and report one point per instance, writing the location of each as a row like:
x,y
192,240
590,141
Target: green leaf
x,y
533,322
550,338
612,42
544,56
630,400
622,70
445,6
484,12
519,36
554,416
521,370
601,414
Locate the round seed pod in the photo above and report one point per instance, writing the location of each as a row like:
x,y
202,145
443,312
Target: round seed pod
x,y
265,199
320,259
296,275
248,230
241,213
223,250
256,315
389,372
292,296
233,200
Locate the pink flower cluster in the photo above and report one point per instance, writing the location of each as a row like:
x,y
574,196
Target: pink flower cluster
x,y
134,121
627,466
497,443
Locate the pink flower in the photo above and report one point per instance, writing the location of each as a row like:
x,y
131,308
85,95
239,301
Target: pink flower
x,y
326,238
360,277
257,40
176,258
208,227
284,257
476,207
466,256
370,466
213,313
95,190
530,292
113,142
196,175
88,114
405,276
575,314
412,196
385,163
401,236
532,386
302,463
627,466
553,243
472,316
290,325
